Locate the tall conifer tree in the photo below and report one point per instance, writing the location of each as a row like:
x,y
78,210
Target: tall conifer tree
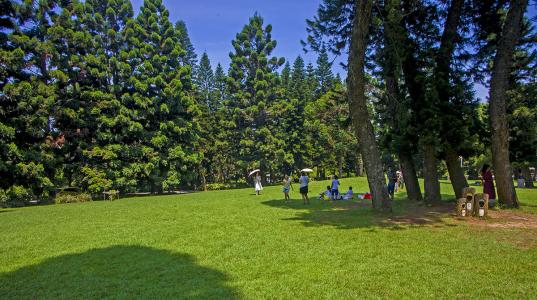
x,y
27,143
162,98
253,86
325,77
204,80
191,58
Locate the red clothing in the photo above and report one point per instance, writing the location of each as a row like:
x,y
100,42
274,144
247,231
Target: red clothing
x,y
488,184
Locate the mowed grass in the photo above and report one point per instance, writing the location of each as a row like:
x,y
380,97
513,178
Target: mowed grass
x,y
233,244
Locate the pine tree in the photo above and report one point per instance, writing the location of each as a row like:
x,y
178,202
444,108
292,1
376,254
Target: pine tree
x,y
325,78
253,86
498,87
220,85
222,164
286,77
329,128
205,82
297,85
190,58
92,35
27,143
522,105
292,117
351,28
312,85
397,132
161,97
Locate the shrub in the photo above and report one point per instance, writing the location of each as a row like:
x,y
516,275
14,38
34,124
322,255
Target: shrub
x,y
224,186
15,196
71,197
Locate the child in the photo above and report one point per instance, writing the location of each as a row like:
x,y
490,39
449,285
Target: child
x,y
349,194
286,187
335,188
327,195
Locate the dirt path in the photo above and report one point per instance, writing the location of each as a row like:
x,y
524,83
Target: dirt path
x,y
506,219
422,215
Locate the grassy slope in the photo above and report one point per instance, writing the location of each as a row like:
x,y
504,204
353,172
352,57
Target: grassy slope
x,y
233,244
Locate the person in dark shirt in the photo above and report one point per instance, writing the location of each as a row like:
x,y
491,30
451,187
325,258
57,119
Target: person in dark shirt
x,y
392,179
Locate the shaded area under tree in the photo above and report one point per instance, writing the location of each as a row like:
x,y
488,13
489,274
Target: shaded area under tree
x,y
121,272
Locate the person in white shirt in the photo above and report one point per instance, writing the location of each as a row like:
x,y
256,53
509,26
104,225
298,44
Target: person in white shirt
x,y
349,194
258,186
304,180
286,187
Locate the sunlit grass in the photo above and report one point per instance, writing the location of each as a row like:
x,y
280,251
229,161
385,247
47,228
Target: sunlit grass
x,y
227,244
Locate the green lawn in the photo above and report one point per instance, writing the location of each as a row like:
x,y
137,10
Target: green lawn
x,y
232,244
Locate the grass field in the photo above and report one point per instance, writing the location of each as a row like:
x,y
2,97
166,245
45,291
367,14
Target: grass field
x,y
233,244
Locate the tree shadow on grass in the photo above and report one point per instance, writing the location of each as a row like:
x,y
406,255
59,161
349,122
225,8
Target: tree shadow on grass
x,y
126,272
359,214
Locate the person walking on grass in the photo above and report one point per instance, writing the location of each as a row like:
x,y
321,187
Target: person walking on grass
x,y
258,186
335,188
287,186
304,180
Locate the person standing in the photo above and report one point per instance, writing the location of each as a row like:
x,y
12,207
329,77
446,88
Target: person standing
x,y
304,180
335,188
258,186
287,186
520,179
400,181
392,179
488,184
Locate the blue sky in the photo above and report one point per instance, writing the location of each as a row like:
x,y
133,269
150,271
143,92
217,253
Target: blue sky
x,y
212,24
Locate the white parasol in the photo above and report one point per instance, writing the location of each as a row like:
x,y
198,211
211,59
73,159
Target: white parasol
x,y
306,170
253,172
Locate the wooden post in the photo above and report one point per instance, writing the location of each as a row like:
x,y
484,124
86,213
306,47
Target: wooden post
x,y
482,205
469,196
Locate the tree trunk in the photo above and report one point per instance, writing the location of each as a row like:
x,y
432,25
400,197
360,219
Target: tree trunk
x,y
359,165
527,177
443,87
391,70
203,179
416,89
456,173
224,175
499,84
430,174
413,189
340,166
358,106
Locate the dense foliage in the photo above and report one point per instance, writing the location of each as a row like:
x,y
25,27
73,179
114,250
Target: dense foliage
x,y
94,97
423,58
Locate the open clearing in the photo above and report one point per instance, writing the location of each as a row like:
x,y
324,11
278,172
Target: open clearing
x,y
233,244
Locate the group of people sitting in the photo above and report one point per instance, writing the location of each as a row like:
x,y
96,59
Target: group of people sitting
x,y
331,194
